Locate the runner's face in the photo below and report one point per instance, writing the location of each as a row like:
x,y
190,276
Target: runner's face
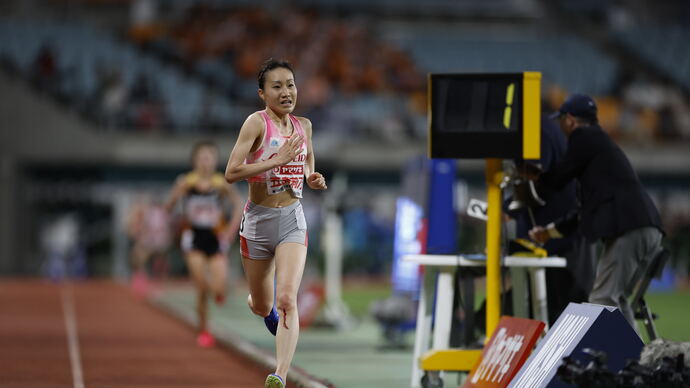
x,y
279,91
206,159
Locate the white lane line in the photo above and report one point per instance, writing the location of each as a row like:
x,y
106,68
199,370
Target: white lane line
x,y
72,337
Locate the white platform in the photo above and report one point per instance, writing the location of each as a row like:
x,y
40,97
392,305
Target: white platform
x,y
446,265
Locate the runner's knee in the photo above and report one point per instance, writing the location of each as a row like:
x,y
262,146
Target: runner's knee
x,y
259,308
287,301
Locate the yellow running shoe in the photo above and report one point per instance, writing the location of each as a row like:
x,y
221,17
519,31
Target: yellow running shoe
x,y
274,381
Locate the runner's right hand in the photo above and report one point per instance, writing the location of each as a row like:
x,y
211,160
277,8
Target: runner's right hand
x,y
289,149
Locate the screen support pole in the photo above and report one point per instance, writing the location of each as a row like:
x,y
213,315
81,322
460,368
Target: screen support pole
x,y
494,176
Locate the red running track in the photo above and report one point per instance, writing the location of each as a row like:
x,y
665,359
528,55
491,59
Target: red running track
x,y
95,334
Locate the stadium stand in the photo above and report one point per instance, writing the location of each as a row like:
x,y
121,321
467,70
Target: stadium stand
x,y
109,81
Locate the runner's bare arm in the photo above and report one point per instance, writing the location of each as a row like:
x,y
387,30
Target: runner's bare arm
x,y
177,192
232,195
315,180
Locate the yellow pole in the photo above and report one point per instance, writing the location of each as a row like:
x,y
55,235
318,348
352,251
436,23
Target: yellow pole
x,y
494,175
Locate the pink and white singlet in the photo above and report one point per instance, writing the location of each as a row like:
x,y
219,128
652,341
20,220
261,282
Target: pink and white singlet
x,y
287,176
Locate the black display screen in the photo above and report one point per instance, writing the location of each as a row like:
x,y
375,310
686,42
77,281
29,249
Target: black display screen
x,y
466,105
475,115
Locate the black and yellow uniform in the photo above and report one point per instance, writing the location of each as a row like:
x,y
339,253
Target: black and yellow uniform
x,y
204,214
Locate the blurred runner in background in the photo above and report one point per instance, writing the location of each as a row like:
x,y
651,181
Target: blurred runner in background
x,y
207,236
148,225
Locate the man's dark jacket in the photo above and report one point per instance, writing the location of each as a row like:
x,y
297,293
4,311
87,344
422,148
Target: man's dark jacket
x,y
558,202
613,200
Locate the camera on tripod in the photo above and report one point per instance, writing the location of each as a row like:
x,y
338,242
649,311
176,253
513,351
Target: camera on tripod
x,y
595,374
669,372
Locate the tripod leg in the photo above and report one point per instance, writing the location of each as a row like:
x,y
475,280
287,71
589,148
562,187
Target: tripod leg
x,y
648,320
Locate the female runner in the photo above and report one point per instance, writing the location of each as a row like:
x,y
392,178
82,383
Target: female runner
x,y
274,154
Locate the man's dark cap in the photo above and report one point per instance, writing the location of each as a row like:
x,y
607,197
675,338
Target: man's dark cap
x,y
578,105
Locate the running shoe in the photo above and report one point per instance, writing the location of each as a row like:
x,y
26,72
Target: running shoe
x,y
271,321
140,284
274,381
205,339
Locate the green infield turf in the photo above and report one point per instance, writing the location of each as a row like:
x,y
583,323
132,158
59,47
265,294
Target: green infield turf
x,y
672,307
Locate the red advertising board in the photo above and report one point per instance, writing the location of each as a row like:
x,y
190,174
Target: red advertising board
x,y
504,354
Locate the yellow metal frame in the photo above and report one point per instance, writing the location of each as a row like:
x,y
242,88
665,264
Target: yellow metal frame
x,y
462,360
494,176
531,115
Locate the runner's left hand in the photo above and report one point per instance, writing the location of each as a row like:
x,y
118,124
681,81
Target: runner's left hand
x,y
316,181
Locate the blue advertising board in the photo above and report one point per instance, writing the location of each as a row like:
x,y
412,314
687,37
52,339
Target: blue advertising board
x,y
425,219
